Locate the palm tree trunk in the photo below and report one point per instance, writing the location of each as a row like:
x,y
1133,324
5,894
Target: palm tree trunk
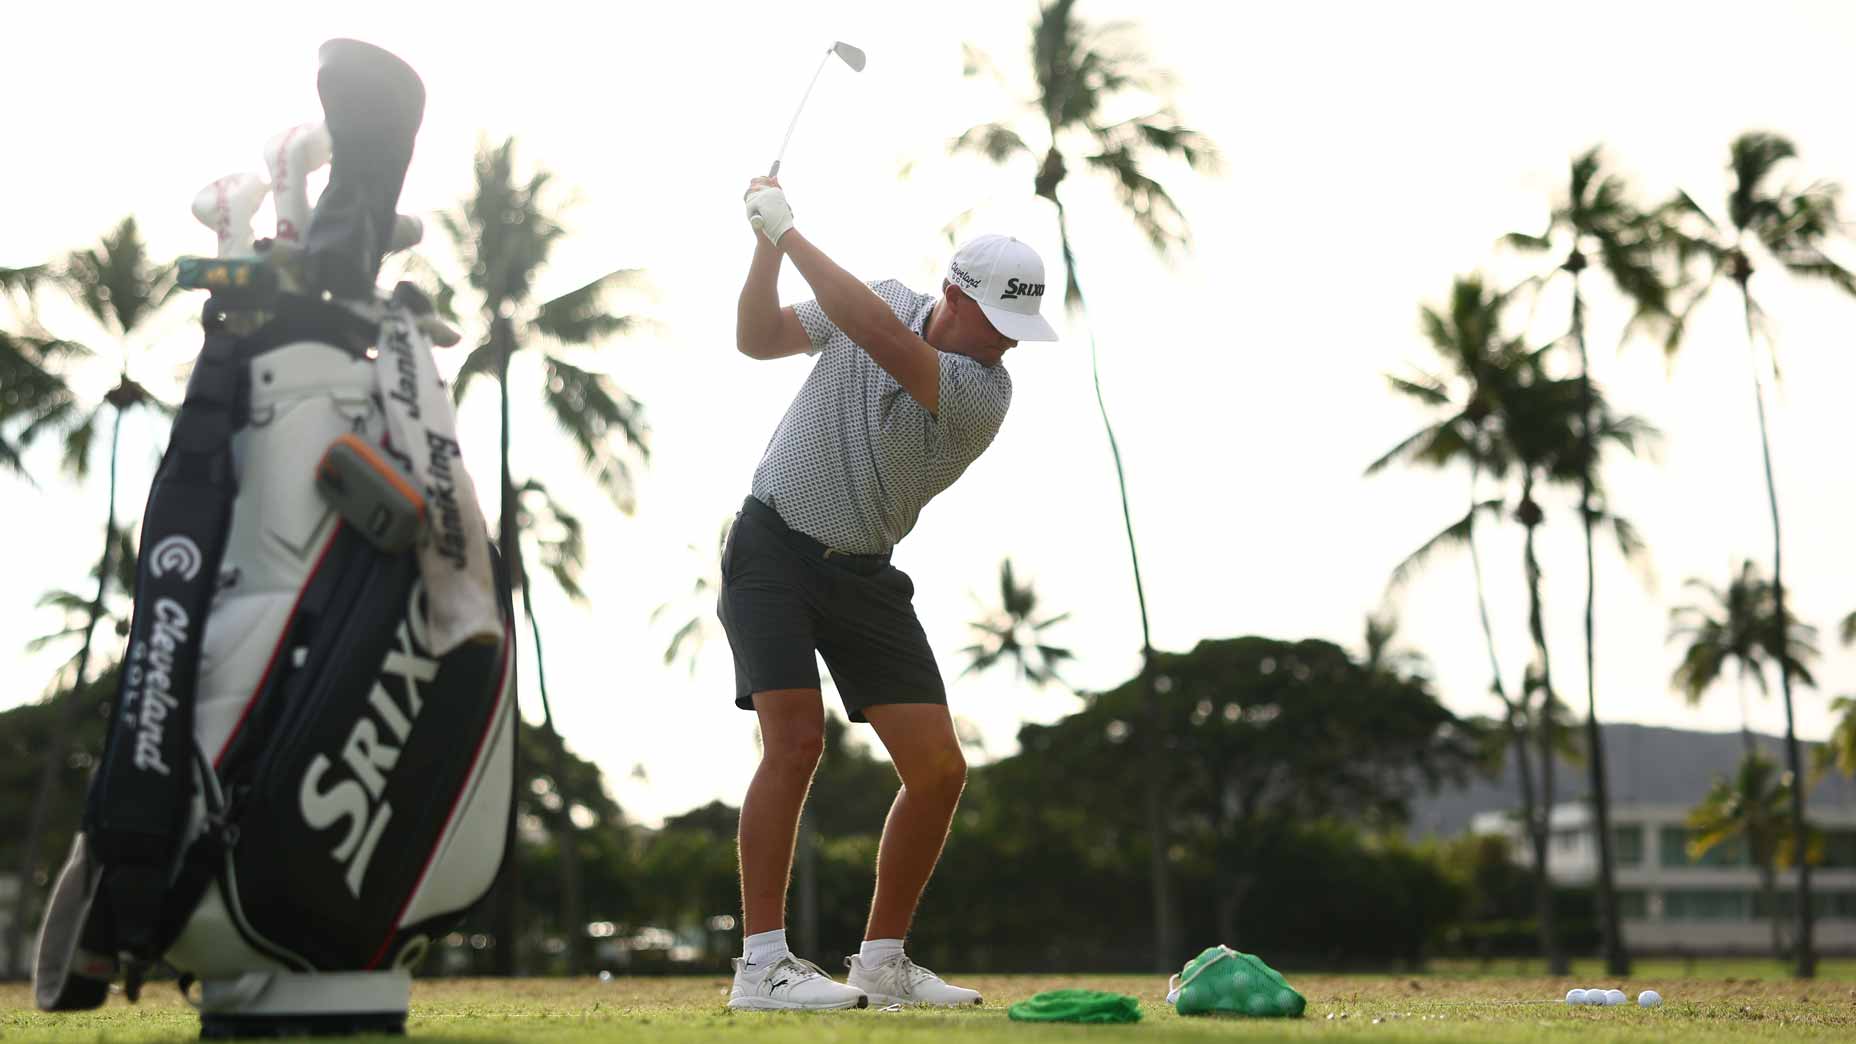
x,y
1617,959
1746,718
1543,887
508,906
66,727
573,920
1513,717
805,884
1160,876
1805,966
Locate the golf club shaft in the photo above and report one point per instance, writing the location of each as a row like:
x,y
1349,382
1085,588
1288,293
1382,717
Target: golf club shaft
x,y
802,107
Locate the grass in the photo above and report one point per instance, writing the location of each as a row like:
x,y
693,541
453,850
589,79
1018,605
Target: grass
x,y
1453,1005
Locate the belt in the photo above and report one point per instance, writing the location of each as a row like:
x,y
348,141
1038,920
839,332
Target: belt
x,y
760,512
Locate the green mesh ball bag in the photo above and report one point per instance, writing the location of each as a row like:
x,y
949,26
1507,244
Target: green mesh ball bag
x,y
1222,981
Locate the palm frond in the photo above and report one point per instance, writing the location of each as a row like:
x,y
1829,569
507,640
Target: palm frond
x,y
1840,749
995,141
559,536
481,360
592,410
1144,199
579,317
1457,534
77,442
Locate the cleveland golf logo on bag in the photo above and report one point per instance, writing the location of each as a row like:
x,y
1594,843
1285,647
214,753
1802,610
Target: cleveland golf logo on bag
x,y
177,555
368,757
148,689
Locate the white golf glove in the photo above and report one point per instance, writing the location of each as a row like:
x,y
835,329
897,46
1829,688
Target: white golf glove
x,y
769,212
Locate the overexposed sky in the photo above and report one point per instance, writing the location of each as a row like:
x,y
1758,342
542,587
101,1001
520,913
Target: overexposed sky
x,y
1372,152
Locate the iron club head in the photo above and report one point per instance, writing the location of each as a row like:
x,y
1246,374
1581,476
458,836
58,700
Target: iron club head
x,y
853,56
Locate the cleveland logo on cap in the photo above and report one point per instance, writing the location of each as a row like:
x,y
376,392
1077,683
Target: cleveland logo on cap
x,y
1015,289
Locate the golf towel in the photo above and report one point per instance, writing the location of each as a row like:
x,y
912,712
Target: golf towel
x,y
454,559
1076,1006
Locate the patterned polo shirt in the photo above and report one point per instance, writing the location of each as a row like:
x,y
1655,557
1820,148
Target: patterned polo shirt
x,y
856,458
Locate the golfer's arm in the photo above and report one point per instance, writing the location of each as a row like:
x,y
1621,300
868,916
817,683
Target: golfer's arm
x,y
764,330
867,321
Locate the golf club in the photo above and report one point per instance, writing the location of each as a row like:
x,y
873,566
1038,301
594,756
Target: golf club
x,y
291,157
227,206
853,57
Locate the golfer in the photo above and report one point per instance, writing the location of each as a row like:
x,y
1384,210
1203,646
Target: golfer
x,y
907,390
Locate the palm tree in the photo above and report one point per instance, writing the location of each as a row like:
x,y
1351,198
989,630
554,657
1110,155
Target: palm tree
x,y
1546,422
1502,412
504,233
77,608
34,397
1840,749
1385,657
1749,808
1792,226
1011,633
1738,626
1082,70
123,291
1479,360
1596,219
696,609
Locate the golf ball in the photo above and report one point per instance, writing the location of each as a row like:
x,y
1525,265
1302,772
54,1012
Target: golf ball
x,y
1649,998
1615,997
1575,996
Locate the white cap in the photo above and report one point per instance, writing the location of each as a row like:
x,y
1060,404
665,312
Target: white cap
x,y
1006,278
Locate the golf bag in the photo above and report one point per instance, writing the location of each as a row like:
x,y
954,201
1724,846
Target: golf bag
x,y
304,781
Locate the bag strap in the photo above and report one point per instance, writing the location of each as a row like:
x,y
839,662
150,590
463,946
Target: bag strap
x,y
140,797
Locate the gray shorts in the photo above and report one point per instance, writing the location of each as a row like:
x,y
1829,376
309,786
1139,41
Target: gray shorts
x,y
785,597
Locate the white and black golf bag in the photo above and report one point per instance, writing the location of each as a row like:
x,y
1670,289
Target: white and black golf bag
x,y
299,790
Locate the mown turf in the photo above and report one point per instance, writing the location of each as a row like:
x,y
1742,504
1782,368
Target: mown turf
x,y
1447,1007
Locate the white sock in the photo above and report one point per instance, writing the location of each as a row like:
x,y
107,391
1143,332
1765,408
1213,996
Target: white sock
x,y
766,947
875,951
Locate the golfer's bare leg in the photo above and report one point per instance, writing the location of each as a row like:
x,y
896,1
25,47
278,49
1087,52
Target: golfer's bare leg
x,y
921,742
792,735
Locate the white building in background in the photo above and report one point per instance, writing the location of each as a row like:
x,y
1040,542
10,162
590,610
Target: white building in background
x,y
1671,903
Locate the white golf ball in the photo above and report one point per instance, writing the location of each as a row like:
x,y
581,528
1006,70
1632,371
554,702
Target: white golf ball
x,y
1649,998
1615,997
1575,996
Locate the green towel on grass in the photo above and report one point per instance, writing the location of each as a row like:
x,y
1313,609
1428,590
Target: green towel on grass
x,y
1076,1006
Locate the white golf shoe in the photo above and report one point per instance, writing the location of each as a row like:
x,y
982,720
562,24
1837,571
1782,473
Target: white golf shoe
x,y
790,984
899,980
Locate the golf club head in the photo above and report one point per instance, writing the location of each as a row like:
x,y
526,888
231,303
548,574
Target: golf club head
x,y
227,206
853,56
291,156
372,105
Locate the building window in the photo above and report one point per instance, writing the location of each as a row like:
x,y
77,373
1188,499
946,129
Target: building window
x,y
1633,904
1839,849
1823,904
1672,843
1843,905
1627,845
1706,904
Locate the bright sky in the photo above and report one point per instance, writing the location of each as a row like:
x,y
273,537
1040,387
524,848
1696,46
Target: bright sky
x,y
1372,152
